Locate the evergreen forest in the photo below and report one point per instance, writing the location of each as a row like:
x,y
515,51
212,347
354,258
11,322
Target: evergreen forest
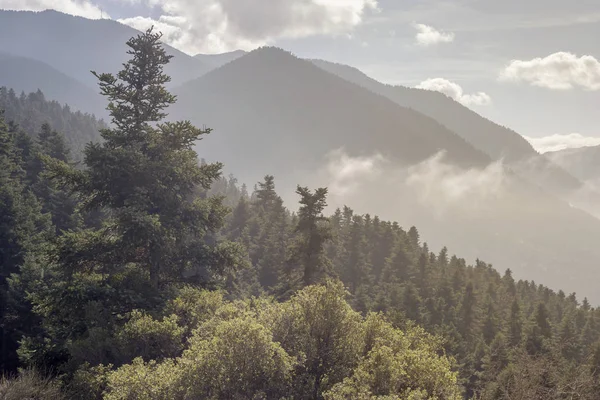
x,y
132,269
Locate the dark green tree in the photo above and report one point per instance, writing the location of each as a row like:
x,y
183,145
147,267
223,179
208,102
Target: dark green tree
x,y
23,230
55,201
355,269
515,324
144,176
269,231
308,255
146,171
468,311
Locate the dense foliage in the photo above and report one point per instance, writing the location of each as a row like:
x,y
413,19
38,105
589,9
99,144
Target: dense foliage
x,y
144,274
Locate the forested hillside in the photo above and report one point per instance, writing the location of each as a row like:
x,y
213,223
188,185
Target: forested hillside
x,y
276,112
27,75
502,333
431,162
31,111
144,274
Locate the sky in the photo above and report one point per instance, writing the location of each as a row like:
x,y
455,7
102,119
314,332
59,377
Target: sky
x,y
532,66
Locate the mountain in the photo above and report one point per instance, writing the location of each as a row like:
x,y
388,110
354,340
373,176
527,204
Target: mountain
x,y
276,114
27,75
218,60
495,140
290,113
76,45
584,162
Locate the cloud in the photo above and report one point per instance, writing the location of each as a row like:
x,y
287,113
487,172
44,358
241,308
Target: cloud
x,y
210,26
558,71
82,8
433,185
442,185
560,142
345,173
455,91
428,35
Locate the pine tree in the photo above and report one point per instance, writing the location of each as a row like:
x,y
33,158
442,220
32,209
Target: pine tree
x,y
269,232
144,175
55,201
398,268
355,268
515,324
539,331
314,231
237,229
23,229
468,311
567,340
146,171
422,279
411,303
490,322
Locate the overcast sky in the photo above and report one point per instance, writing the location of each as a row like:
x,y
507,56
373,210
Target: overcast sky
x,y
530,65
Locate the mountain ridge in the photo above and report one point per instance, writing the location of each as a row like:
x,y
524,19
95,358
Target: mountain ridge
x,y
75,45
284,115
268,69
218,60
27,75
495,140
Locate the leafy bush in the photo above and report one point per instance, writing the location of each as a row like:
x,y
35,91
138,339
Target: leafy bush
x,y
312,346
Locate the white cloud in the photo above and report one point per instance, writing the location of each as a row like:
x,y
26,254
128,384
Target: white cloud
x,y
455,91
221,25
559,71
428,35
433,185
82,8
345,173
442,185
561,142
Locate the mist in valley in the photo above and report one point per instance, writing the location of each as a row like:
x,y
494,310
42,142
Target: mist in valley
x,y
318,199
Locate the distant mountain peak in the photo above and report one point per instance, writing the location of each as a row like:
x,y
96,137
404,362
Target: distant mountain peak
x,y
273,51
218,60
238,53
75,45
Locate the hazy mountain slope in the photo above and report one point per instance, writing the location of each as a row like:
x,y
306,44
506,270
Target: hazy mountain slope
x,y
497,141
75,45
286,114
218,60
274,113
24,74
583,163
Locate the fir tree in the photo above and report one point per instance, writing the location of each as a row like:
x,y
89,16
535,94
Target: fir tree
x,y
314,231
144,175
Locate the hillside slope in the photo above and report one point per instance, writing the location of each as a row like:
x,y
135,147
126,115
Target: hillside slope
x,y
289,114
497,141
274,113
584,162
76,45
28,75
